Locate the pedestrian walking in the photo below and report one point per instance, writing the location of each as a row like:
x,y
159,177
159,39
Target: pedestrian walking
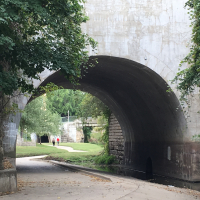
x,y
53,141
58,141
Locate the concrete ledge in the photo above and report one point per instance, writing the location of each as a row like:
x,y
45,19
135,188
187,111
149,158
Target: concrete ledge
x,y
26,144
8,180
83,170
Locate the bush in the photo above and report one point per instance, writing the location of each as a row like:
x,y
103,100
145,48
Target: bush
x,y
105,159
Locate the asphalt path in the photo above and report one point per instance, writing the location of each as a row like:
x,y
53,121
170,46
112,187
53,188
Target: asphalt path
x,y
44,180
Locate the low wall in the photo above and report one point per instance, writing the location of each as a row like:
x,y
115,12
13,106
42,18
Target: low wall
x,y
8,180
116,139
23,143
8,175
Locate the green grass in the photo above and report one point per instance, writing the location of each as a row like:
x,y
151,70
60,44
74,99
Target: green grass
x,y
81,158
23,151
84,146
96,135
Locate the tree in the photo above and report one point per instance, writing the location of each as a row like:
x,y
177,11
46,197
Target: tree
x,y
36,118
83,105
40,34
62,101
189,78
91,106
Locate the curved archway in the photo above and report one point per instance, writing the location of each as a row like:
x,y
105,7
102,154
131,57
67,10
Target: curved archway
x,y
147,114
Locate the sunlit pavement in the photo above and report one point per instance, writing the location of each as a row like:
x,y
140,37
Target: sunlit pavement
x,y
43,180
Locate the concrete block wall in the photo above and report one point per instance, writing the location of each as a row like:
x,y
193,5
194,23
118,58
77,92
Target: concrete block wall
x,y
8,180
29,143
21,142
9,142
116,139
8,175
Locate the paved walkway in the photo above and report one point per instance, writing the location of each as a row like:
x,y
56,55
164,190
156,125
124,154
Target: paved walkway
x,y
46,181
70,149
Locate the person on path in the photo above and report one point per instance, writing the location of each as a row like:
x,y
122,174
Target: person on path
x,y
58,141
53,141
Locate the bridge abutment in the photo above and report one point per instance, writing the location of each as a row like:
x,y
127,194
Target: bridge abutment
x,y
116,139
8,173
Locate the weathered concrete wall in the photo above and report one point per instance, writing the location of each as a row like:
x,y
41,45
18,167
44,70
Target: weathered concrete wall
x,y
9,143
8,180
8,176
72,132
154,33
116,139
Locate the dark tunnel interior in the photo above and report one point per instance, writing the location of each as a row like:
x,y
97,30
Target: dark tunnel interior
x,y
137,96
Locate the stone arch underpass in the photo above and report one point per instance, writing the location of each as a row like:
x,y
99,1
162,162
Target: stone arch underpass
x,y
157,136
153,125
150,118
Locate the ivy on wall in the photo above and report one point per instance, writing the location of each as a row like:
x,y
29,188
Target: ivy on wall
x,y
189,78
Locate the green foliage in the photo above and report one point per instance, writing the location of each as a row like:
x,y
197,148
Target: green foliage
x,y
196,138
79,103
27,137
49,89
95,137
61,101
87,131
105,136
105,159
36,118
189,78
91,106
40,34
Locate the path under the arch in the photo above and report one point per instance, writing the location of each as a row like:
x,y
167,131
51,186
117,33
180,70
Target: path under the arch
x,y
45,181
151,119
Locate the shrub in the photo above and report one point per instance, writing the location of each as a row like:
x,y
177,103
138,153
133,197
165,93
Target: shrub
x,y
105,159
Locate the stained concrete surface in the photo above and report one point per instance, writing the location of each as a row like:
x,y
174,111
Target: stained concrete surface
x,y
43,180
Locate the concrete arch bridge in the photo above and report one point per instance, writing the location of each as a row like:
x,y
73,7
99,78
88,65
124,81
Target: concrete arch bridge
x,y
140,46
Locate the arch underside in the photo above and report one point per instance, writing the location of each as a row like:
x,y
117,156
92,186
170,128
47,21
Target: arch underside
x,y
147,114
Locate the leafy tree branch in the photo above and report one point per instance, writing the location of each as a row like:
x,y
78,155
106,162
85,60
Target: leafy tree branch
x,y
40,34
189,78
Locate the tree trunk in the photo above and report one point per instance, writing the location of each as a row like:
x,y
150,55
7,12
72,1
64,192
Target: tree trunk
x,y
21,133
49,138
40,139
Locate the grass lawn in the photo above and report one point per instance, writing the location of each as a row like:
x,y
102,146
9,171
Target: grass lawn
x,y
81,158
82,146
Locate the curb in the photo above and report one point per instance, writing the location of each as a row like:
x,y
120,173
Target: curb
x,y
81,169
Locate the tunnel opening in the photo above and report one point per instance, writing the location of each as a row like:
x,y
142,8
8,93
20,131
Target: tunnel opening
x,y
149,169
44,139
147,114
84,119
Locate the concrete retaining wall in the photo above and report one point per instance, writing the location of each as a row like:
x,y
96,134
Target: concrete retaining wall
x,y
8,180
8,175
22,143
